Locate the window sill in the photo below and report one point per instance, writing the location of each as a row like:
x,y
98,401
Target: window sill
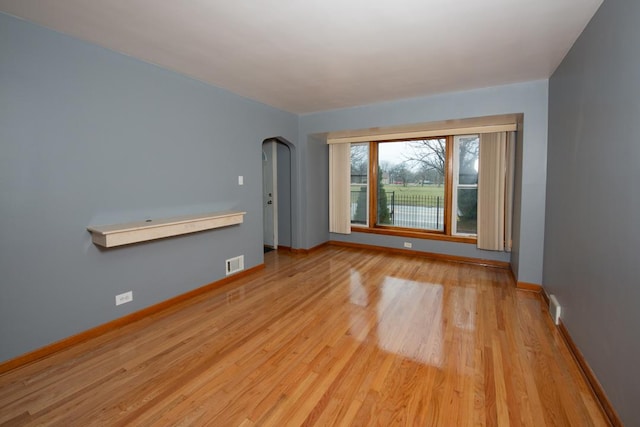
x,y
415,234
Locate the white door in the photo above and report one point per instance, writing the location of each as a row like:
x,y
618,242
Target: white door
x,y
269,193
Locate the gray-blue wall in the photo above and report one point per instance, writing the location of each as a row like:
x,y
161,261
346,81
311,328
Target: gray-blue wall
x,y
90,137
592,236
528,98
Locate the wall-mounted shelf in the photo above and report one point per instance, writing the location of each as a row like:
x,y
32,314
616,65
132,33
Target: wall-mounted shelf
x,y
133,232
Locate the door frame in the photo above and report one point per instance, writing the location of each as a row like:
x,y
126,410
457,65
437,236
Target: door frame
x,y
270,162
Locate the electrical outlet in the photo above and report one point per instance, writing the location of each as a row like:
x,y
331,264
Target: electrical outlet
x,y
555,309
240,180
408,245
123,298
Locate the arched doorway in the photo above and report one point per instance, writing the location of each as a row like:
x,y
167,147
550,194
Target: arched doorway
x,y
277,194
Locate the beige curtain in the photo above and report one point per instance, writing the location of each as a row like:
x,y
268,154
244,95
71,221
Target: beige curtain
x,y
492,186
339,188
509,185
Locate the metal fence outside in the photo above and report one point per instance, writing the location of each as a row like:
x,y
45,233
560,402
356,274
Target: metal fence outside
x,y
411,211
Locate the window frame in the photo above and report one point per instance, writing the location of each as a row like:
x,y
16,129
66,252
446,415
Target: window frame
x,y
368,203
372,188
455,147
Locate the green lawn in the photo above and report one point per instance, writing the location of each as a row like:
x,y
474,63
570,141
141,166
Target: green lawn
x,y
405,194
416,190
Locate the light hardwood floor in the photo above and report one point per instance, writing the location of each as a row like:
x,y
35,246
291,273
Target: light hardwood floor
x,y
340,337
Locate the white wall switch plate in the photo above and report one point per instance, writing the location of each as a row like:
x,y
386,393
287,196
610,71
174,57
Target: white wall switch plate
x,y
240,180
408,245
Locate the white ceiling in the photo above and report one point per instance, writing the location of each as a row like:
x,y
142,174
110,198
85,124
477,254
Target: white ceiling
x,y
311,55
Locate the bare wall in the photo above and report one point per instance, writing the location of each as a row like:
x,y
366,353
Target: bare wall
x,y
90,137
592,236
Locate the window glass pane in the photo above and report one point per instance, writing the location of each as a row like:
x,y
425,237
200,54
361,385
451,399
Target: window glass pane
x,y
359,183
411,184
466,222
467,149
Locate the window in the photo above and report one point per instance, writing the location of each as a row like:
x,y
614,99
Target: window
x,y
412,188
426,185
359,184
447,180
465,184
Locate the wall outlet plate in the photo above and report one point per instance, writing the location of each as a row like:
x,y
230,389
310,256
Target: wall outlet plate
x,y
555,310
408,245
124,298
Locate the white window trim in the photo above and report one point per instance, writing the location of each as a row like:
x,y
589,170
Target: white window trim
x,y
456,185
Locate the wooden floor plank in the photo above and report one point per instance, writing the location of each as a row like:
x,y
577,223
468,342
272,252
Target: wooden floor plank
x,y
341,336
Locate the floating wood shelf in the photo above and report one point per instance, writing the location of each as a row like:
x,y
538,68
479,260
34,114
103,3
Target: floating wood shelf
x,y
133,232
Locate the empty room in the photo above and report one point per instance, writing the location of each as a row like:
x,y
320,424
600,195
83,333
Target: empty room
x,y
417,213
